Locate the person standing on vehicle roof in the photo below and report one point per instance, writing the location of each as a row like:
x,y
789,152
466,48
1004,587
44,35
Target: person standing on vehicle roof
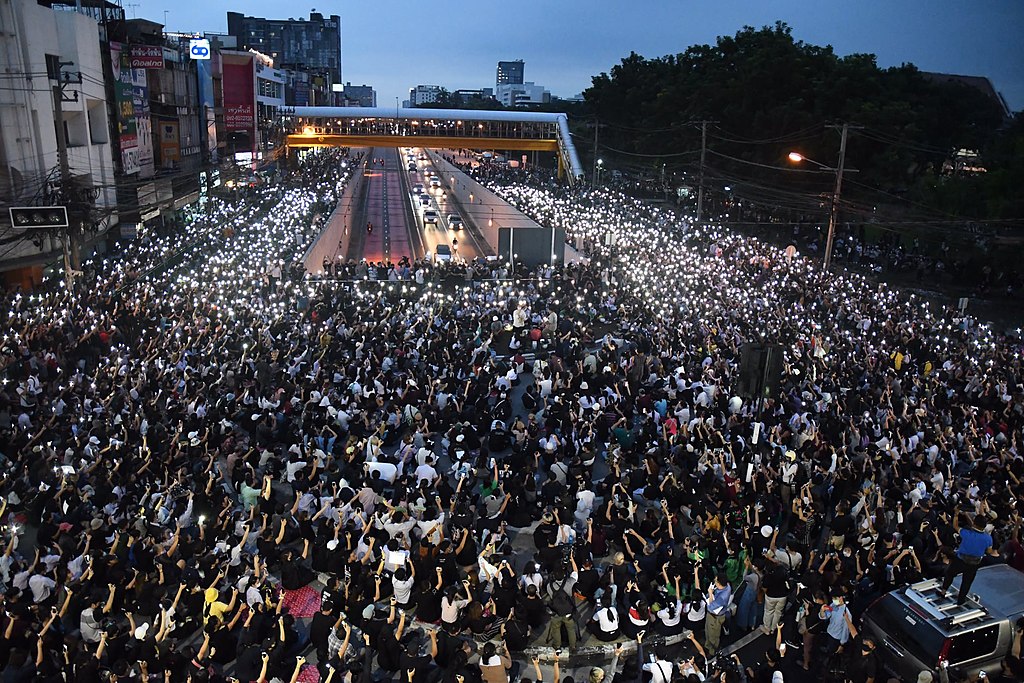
x,y
975,543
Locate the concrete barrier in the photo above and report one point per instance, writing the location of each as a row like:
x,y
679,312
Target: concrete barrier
x,y
334,238
476,203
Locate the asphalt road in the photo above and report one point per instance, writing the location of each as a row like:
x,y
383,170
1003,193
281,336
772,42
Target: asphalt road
x,y
392,237
439,233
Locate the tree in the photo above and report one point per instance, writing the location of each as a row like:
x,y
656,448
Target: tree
x,y
769,93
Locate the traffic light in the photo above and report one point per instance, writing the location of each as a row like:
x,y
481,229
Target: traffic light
x,y
39,217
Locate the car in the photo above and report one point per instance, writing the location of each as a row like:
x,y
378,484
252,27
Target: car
x,y
430,216
443,253
412,166
435,183
422,156
455,221
424,201
418,188
917,628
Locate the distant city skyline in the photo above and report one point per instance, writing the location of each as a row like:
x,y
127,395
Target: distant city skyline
x,y
394,45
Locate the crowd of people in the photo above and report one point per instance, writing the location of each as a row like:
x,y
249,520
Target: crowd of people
x,y
217,468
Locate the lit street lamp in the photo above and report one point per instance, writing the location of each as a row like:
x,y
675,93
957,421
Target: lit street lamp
x,y
833,213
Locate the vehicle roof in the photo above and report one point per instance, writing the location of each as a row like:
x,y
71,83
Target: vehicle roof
x,y
1001,589
443,249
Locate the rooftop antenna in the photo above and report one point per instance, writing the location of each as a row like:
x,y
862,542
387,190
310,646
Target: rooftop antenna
x,y
133,5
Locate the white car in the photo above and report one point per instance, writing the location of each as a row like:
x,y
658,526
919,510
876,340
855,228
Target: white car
x,y
430,216
417,188
455,221
443,253
435,183
424,201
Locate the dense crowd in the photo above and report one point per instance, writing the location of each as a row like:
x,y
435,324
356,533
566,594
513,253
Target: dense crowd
x,y
216,468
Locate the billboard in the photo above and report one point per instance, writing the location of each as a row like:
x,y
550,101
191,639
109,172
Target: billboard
x,y
239,84
205,70
170,144
127,129
302,94
143,123
147,57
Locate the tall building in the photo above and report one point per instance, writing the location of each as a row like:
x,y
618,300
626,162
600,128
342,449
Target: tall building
x,y
47,49
424,94
521,94
312,45
510,73
359,95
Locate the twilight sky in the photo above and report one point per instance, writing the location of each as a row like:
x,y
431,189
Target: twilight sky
x,y
395,44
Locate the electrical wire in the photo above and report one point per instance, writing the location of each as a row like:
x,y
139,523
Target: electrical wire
x,y
649,156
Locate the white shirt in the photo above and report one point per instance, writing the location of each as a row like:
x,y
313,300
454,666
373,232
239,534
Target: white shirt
x,y
292,468
388,471
667,619
41,586
403,589
607,619
661,671
425,472
450,611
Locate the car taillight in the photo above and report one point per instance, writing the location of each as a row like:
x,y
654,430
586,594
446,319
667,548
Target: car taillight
x,y
947,644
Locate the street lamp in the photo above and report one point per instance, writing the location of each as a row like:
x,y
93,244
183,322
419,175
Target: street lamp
x,y
833,213
490,221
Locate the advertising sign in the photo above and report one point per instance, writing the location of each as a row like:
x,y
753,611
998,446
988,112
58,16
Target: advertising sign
x,y
204,71
170,144
127,131
147,57
302,94
199,48
143,124
239,93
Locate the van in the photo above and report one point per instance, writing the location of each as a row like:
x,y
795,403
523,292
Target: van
x,y
918,628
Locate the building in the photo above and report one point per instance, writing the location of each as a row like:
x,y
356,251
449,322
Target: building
x,y
522,94
53,52
424,94
471,94
980,83
509,73
359,96
312,45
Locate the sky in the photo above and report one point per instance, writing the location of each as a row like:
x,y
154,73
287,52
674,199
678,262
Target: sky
x,y
393,45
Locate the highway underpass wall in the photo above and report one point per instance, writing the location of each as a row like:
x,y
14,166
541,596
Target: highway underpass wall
x,y
333,239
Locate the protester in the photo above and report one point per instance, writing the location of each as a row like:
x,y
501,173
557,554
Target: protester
x,y
216,465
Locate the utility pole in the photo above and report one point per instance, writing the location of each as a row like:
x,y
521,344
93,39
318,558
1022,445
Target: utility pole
x,y
833,213
593,179
70,242
700,181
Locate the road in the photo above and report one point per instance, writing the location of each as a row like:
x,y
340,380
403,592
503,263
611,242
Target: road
x,y
435,234
392,237
397,213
